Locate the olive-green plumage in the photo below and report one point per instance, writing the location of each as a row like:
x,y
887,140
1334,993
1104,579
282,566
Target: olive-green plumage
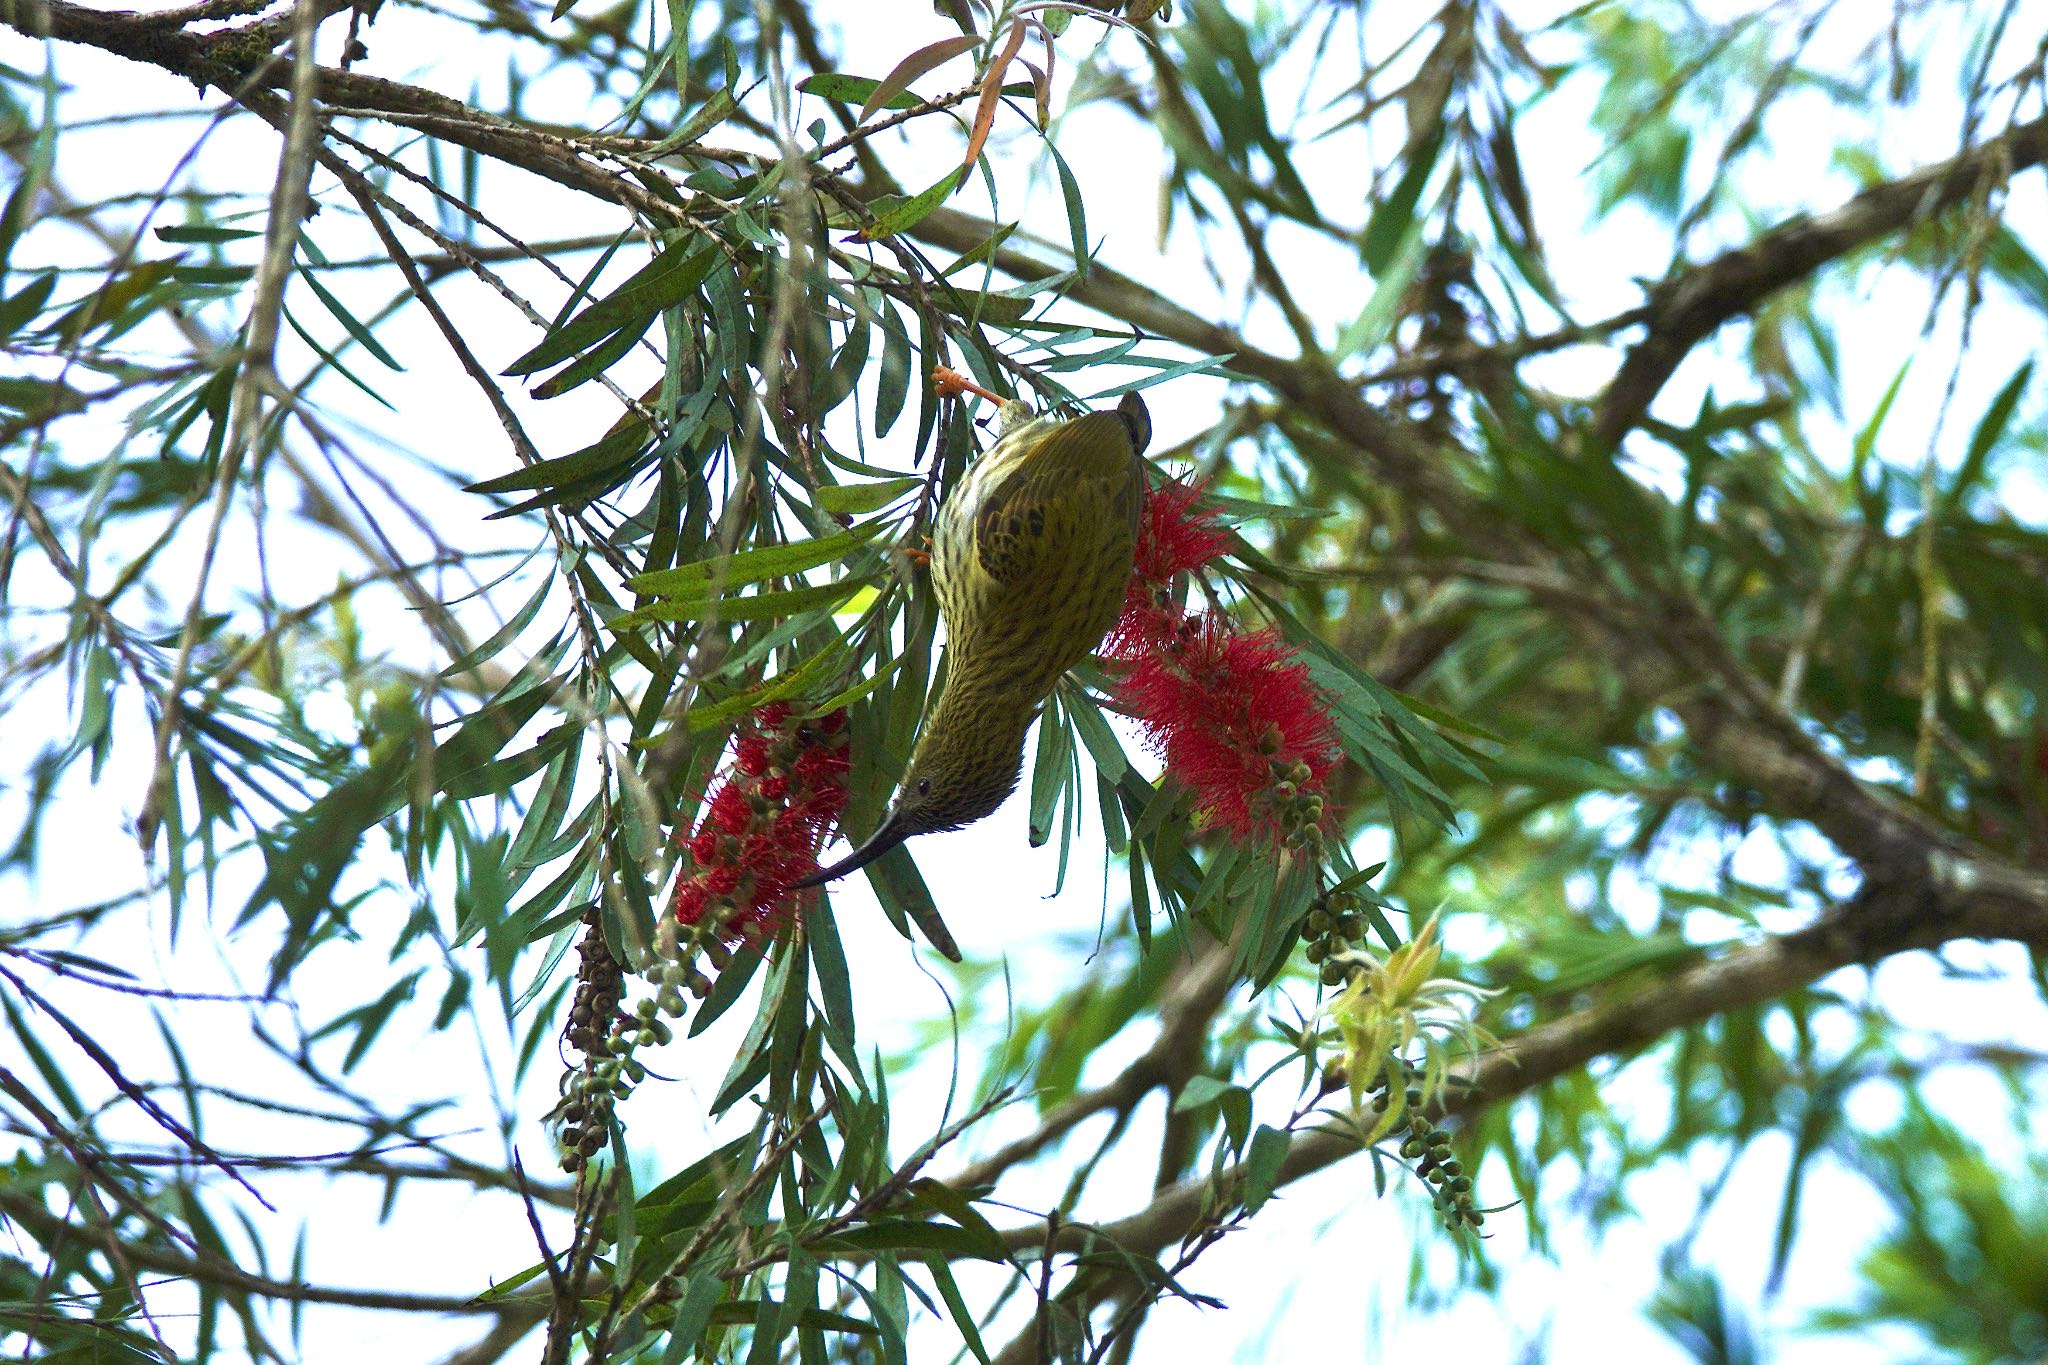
x,y
1031,553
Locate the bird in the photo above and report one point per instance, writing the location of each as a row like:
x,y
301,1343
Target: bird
x,y
1031,554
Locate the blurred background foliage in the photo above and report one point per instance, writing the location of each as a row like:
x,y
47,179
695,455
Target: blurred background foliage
x,y
430,428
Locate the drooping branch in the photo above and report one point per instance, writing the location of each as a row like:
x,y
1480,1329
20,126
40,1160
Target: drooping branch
x,y
46,1227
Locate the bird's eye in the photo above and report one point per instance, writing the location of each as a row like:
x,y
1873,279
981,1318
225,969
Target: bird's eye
x,y
924,786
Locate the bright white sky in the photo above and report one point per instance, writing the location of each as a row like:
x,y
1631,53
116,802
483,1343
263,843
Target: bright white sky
x,y
1321,1272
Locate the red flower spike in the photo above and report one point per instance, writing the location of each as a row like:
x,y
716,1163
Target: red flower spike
x,y
823,765
731,811
1173,538
771,810
689,903
1234,715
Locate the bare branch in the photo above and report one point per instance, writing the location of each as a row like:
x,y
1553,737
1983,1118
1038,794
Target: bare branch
x,y
1688,306
1880,922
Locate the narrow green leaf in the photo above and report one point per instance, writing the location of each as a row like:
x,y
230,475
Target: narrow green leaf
x,y
1206,365
198,233
761,606
720,572
593,362
1989,429
892,385
348,320
717,109
1077,216
27,302
1200,1091
956,1306
1375,322
894,214
505,634
1393,218
701,1294
835,982
834,85
1262,1165
1089,722
663,281
854,499
982,251
613,452
1049,772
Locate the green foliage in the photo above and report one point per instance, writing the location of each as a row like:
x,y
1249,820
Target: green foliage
x,y
407,625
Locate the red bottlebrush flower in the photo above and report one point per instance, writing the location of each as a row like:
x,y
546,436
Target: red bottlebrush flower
x,y
1238,721
730,810
1173,539
689,902
761,830
750,754
1233,713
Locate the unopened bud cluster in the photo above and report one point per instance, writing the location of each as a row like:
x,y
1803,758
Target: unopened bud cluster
x,y
1332,926
1428,1144
1388,1009
758,835
585,1109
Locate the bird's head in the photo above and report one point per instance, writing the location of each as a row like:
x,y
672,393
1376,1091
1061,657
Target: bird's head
x,y
958,775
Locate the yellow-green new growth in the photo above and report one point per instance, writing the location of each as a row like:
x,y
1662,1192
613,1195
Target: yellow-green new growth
x,y
1031,553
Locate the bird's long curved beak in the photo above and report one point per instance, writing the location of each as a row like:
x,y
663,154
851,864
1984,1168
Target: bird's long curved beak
x,y
881,841
925,917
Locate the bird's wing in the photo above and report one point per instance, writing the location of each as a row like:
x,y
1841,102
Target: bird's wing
x,y
1084,472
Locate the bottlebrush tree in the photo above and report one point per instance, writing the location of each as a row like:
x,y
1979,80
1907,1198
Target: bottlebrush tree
x,y
1564,804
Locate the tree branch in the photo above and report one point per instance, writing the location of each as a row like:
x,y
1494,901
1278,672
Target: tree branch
x,y
44,1226
1883,920
1693,303
1184,1023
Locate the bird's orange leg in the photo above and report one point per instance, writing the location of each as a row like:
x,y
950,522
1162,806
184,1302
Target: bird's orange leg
x,y
950,383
